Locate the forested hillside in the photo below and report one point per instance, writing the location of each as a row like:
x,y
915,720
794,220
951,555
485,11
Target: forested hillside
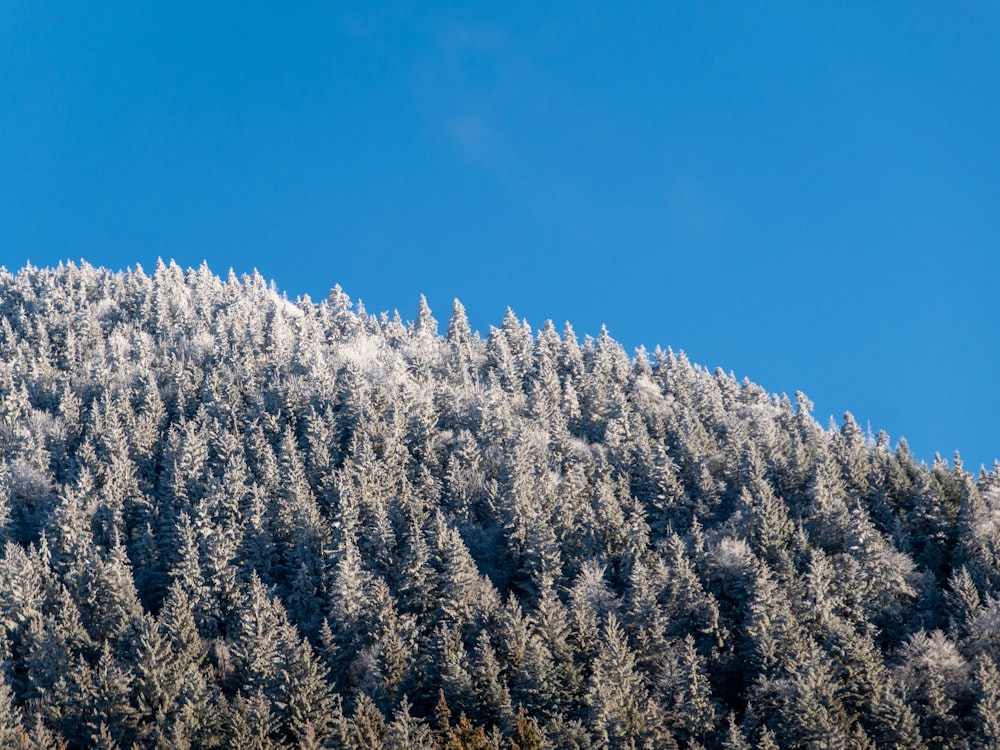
x,y
231,520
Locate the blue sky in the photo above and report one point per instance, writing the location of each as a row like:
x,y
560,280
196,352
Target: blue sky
x,y
807,194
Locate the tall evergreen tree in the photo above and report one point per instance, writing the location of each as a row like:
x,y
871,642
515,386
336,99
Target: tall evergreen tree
x,y
616,695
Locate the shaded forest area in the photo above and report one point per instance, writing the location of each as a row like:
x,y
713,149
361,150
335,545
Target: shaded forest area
x,y
230,520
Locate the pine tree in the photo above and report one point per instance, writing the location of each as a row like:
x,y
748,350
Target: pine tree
x,y
893,723
157,690
11,730
452,666
616,695
526,735
812,716
459,332
257,641
964,601
734,738
252,725
987,680
769,528
686,606
934,674
109,710
490,687
405,732
693,715
552,626
466,736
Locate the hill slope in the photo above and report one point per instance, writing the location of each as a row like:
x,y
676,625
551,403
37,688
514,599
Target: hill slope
x,y
231,519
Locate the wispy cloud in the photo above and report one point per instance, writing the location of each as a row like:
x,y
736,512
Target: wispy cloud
x,y
476,136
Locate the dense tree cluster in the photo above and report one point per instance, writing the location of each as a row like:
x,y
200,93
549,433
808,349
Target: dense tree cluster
x,y
230,520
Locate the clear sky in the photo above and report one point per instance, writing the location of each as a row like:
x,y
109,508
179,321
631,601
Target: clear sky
x,y
807,194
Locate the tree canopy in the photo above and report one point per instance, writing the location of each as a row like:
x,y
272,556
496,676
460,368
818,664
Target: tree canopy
x,y
233,520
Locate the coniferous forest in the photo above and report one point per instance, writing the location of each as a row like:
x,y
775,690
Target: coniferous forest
x,y
230,520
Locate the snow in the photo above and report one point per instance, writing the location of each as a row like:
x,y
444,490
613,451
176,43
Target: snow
x,y
289,308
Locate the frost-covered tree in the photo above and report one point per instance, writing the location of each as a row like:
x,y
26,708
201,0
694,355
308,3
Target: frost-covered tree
x,y
230,518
